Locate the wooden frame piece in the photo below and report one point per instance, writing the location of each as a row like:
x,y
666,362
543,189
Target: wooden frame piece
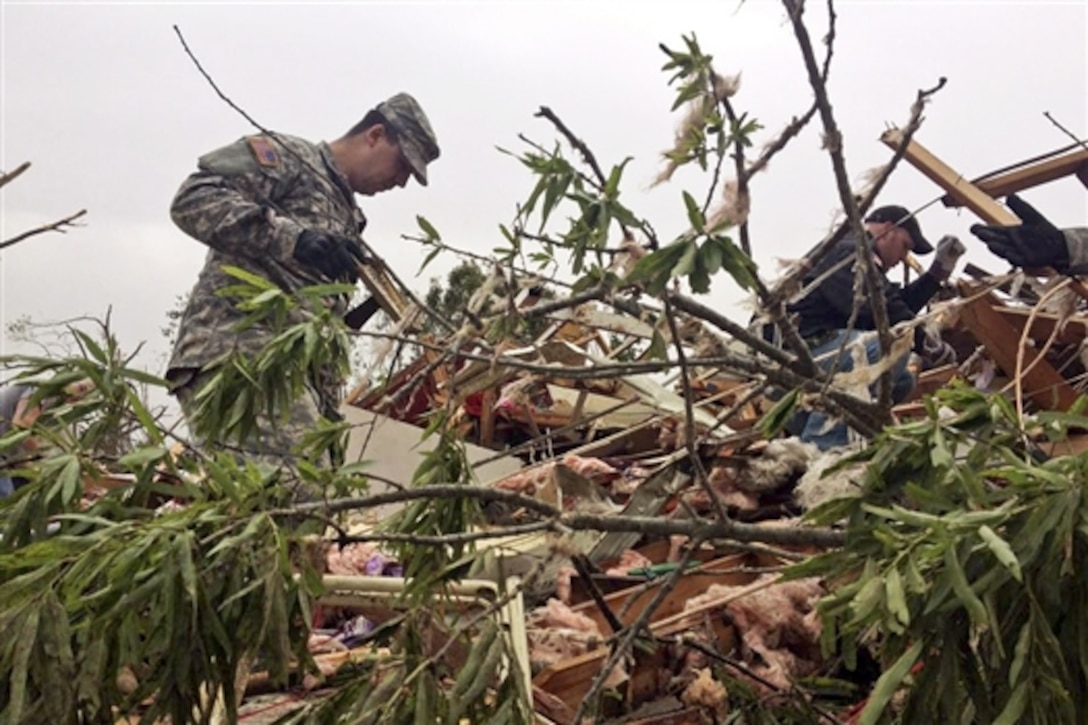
x,y
1043,324
1075,163
1046,387
954,183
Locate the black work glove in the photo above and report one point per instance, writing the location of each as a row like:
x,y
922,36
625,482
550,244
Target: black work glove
x,y
336,257
1035,243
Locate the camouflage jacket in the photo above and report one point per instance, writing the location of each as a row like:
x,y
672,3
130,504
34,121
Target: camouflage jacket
x,y
248,202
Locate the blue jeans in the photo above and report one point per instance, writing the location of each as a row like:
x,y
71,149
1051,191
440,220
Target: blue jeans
x,y
821,429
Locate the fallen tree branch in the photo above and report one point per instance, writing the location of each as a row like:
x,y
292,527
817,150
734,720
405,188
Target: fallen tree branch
x,y
561,522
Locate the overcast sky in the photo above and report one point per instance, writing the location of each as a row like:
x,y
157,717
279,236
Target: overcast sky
x,y
112,114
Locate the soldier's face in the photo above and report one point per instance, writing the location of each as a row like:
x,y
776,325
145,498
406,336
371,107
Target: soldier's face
x,y
383,167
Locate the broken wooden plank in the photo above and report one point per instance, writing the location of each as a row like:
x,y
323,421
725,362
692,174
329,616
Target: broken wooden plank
x,y
1074,445
1043,325
629,603
1075,163
954,183
1046,387
384,290
570,679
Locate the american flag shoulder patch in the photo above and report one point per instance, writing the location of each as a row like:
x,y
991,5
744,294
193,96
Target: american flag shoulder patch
x,y
262,148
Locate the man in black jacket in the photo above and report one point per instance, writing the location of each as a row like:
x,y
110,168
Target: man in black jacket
x,y
824,314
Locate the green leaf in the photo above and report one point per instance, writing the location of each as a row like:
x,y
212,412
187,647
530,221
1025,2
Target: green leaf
x,y
612,187
738,264
1002,551
260,300
712,257
141,457
1014,708
143,415
557,187
657,350
895,597
91,346
962,588
429,230
868,597
1020,654
888,683
699,278
695,214
70,480
687,261
780,415
253,279
20,668
358,468
429,258
939,454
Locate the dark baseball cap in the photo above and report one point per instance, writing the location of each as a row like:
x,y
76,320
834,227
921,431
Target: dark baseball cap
x,y
900,217
414,134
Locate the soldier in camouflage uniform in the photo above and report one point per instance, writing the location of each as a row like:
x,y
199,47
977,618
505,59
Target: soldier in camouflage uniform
x,y
283,208
1036,242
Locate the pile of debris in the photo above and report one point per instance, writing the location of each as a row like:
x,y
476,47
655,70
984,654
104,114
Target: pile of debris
x,y
641,445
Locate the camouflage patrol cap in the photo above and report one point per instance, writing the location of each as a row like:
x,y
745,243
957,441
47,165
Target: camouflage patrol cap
x,y
417,141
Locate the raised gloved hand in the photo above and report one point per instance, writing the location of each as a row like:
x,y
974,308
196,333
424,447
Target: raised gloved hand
x,y
949,251
1035,243
336,257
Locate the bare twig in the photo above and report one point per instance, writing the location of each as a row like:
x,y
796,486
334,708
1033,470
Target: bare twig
x,y
689,417
58,226
486,259
582,565
8,177
1079,141
577,143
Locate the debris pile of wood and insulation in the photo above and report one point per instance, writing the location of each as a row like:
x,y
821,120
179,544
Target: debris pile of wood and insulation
x,y
634,445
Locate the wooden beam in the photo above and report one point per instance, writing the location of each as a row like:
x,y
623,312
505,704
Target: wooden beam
x,y
570,679
385,291
487,418
1030,176
1041,381
629,603
954,183
1082,174
1074,445
1042,326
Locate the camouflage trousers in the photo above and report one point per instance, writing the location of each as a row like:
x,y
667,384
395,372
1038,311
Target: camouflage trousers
x,y
273,442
